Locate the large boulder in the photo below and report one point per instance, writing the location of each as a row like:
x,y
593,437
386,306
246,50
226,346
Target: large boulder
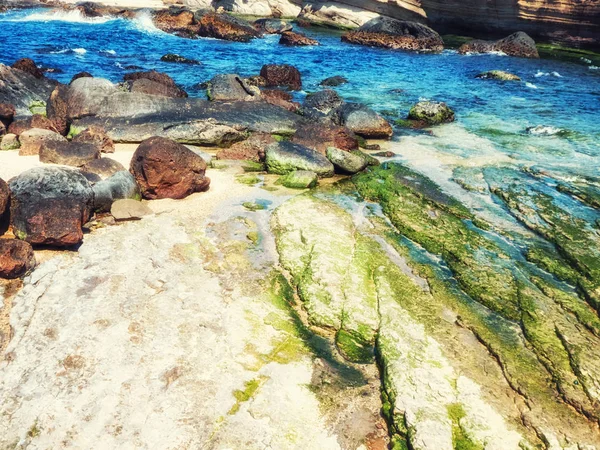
x,y
285,157
396,34
154,83
21,89
34,139
251,149
280,98
16,258
68,153
324,101
121,185
56,109
49,206
272,26
282,75
87,96
517,44
431,113
103,167
346,162
179,21
363,121
231,87
294,39
320,136
97,136
36,121
164,168
229,28
7,114
28,66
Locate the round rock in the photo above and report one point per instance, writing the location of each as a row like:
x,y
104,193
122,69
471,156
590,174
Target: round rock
x,y
16,258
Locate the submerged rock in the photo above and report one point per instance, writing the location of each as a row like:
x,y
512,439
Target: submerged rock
x,y
334,81
223,26
299,179
396,34
517,44
282,75
174,58
431,113
49,206
165,169
291,38
16,258
498,75
345,161
324,101
284,157
272,26
362,120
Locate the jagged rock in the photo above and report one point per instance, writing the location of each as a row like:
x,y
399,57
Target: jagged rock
x,y
9,142
431,113
68,153
129,209
284,157
323,101
21,89
151,87
319,136
56,109
396,34
362,120
31,141
345,161
176,20
334,81
121,185
282,75
498,75
103,167
223,26
299,179
292,38
49,206
96,136
231,87
251,149
280,98
517,44
28,66
165,169
174,58
36,121
81,75
16,258
157,77
272,26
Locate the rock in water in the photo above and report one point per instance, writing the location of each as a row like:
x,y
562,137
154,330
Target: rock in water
x,y
362,120
16,258
33,140
28,66
517,44
174,58
128,209
498,75
229,28
68,153
272,26
121,185
166,169
396,34
299,179
179,21
231,87
284,157
292,38
345,161
49,206
334,81
431,113
323,101
282,75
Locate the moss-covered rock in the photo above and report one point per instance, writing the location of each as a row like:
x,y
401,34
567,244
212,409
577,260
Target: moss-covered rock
x,y
498,75
431,113
299,179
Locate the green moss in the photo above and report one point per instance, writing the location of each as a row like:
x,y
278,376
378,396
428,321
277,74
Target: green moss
x,y
354,348
252,166
281,137
404,123
249,180
22,235
34,431
254,237
242,396
38,107
74,131
254,206
574,55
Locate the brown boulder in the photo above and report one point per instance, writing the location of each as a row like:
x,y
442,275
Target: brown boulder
x,y
178,21
291,38
34,139
97,136
68,153
104,167
252,149
16,258
229,28
280,98
36,121
166,169
517,44
81,75
156,77
7,114
4,203
29,66
282,75
319,137
56,109
150,87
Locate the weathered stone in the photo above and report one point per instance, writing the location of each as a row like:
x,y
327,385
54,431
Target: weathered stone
x,y
223,26
282,75
280,98
4,205
176,20
49,206
165,169
362,120
96,136
251,149
16,258
517,44
28,66
498,75
323,101
7,114
21,89
129,209
431,113
345,161
56,109
291,38
103,167
121,185
272,26
319,136
334,81
284,157
231,87
36,121
68,153
299,179
31,141
81,75
9,142
146,82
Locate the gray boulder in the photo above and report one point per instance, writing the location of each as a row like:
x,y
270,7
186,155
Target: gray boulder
x,y
129,209
121,185
231,87
68,153
362,120
272,26
324,101
431,113
103,167
22,89
346,162
285,157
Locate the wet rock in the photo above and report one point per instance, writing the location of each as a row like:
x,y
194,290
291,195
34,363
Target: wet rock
x,y
56,109
49,206
282,75
231,87
334,81
294,39
31,141
28,66
299,179
284,157
36,121
251,149
96,136
154,83
68,153
362,120
229,28
517,44
323,101
129,209
103,167
174,58
21,89
165,169
272,26
7,114
498,75
431,113
179,21
9,142
81,75
121,185
319,136
16,258
280,98
345,161
396,34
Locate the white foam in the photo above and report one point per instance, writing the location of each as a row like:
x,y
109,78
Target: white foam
x,y
547,74
110,52
594,68
73,16
543,130
531,85
80,51
143,22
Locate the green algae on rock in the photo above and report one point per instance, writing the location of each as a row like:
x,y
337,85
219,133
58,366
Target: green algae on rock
x,y
498,75
299,179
